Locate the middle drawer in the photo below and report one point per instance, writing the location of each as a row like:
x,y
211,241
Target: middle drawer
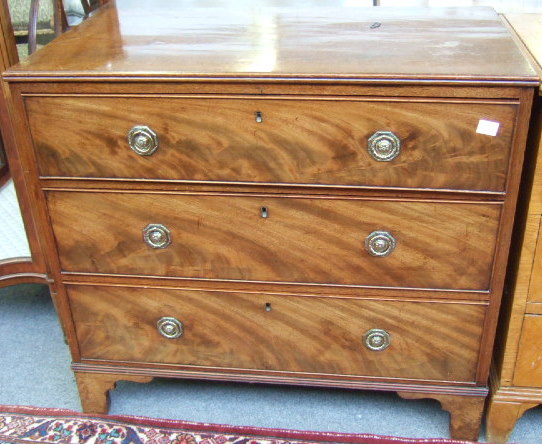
x,y
345,241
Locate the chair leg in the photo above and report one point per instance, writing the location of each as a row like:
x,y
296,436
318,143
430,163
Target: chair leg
x,y
33,25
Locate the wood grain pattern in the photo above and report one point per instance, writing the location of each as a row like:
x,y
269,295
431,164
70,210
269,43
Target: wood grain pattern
x,y
528,27
528,370
280,377
8,47
17,270
304,289
298,334
534,194
8,56
313,240
465,413
517,360
519,281
535,285
533,308
459,90
167,186
466,65
316,141
94,389
4,170
502,417
505,232
303,42
524,244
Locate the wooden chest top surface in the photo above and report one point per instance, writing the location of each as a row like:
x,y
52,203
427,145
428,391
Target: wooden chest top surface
x,y
313,41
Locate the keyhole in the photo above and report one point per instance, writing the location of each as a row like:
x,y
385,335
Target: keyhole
x,y
265,212
268,306
259,117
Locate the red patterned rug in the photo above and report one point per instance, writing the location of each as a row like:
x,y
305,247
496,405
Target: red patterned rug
x,y
53,426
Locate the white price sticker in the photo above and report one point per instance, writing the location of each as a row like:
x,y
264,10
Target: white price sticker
x,y
488,127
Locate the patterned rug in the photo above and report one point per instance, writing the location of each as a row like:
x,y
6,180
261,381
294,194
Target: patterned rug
x,y
53,426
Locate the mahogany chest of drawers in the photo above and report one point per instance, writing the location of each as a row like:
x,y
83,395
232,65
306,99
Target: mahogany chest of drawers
x,y
319,196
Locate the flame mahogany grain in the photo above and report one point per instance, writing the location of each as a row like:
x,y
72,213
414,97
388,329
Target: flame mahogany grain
x,y
319,240
198,76
295,334
306,140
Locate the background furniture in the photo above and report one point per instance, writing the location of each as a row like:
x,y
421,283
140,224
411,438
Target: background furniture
x,y
21,254
27,264
240,211
517,380
8,54
37,22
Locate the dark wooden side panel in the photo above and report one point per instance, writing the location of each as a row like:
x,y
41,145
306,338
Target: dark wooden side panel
x,y
270,332
438,245
298,141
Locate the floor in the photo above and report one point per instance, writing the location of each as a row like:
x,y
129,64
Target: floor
x,y
35,371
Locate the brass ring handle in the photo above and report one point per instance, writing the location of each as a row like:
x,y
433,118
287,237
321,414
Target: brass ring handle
x,y
376,339
380,243
143,140
156,236
170,328
384,146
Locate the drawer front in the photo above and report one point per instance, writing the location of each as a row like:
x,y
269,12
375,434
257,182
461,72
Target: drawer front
x,y
281,333
533,272
302,240
297,141
528,372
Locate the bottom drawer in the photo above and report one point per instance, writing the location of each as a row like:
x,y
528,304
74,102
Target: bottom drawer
x,y
322,335
528,372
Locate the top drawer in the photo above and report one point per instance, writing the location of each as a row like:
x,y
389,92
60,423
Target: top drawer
x,y
277,140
